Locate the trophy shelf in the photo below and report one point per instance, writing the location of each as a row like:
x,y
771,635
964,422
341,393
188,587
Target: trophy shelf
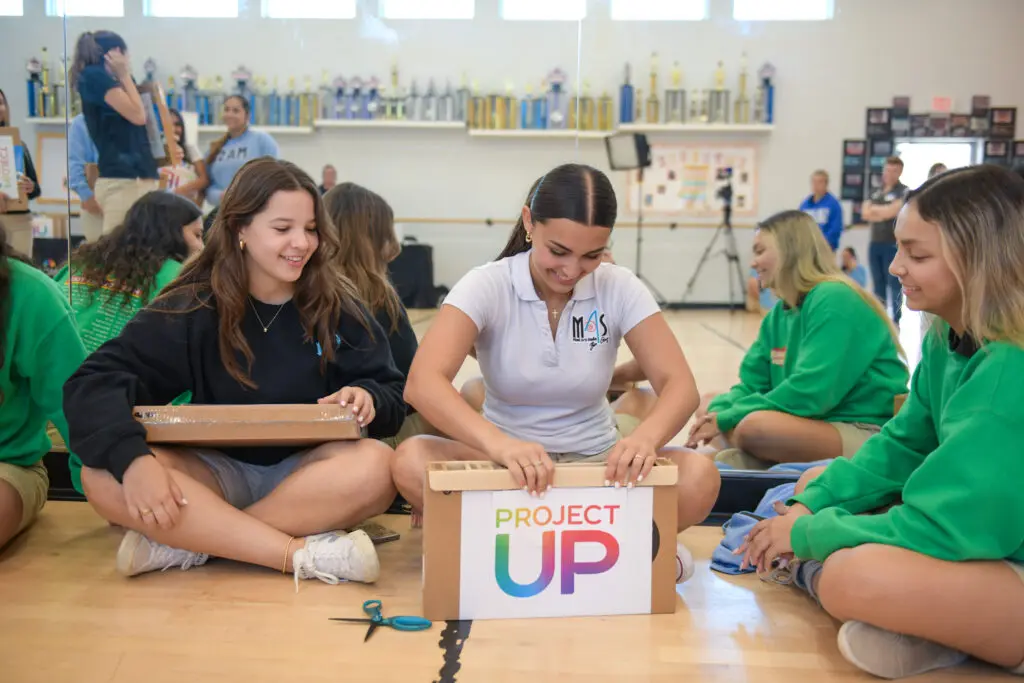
x,y
47,120
569,133
697,128
273,130
388,123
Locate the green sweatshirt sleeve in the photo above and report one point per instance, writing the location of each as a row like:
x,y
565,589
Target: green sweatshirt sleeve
x,y
964,502
754,372
876,474
834,354
49,359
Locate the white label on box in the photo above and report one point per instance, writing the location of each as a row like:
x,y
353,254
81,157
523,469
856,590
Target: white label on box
x,y
576,552
8,167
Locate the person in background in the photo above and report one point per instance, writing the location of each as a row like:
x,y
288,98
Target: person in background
x,y
916,544
263,315
113,278
237,146
19,221
936,169
330,179
881,212
825,209
39,349
853,269
794,402
81,154
116,119
546,393
189,178
366,229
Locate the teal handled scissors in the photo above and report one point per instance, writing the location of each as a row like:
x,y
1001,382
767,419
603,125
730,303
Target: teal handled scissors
x,y
373,609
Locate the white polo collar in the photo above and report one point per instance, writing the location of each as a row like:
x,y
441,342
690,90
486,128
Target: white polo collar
x,y
522,281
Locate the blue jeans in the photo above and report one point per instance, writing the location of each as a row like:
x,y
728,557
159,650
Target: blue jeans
x,y
887,287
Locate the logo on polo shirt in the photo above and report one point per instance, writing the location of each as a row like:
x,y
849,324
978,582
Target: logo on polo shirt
x,y
590,329
779,356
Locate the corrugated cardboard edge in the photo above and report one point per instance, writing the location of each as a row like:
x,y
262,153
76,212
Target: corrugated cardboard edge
x,y
663,569
284,424
489,476
442,543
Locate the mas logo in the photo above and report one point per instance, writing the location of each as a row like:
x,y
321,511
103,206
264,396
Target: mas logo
x,y
590,329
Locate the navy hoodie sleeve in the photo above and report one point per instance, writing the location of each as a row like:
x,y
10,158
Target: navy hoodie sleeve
x,y
368,363
147,364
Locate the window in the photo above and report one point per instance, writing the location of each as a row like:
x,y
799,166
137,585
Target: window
x,y
659,10
191,9
309,9
543,10
782,10
919,157
11,8
427,9
85,8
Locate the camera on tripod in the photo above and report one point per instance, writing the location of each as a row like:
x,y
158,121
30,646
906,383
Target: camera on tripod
x,y
724,191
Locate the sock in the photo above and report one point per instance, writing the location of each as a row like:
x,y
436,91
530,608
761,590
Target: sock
x,y
806,577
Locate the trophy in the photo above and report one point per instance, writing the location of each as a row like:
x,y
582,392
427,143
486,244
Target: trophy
x,y
242,76
505,109
582,112
394,108
702,115
412,103
767,93
357,100
446,104
373,103
475,110
653,105
66,103
605,112
526,109
308,105
217,100
718,98
558,103
741,113
325,100
186,99
35,87
626,100
428,105
462,101
540,109
675,98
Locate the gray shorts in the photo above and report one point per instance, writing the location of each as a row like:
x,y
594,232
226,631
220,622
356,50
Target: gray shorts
x,y
243,483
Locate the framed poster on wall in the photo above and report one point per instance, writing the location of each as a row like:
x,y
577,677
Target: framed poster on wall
x,y
684,180
52,169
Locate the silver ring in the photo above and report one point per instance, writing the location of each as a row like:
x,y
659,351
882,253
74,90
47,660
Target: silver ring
x,y
639,457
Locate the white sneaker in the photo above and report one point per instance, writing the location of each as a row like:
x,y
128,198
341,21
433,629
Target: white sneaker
x,y
138,555
337,556
684,563
893,655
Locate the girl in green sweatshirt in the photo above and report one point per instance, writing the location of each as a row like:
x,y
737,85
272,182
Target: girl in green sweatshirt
x,y
111,279
39,349
917,542
822,375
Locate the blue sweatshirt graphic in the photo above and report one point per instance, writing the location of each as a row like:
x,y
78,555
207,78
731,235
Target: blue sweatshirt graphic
x,y
252,144
828,214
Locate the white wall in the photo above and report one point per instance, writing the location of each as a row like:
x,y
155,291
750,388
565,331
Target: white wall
x,y
828,72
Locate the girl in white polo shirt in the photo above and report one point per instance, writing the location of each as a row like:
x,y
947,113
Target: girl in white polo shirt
x,y
546,320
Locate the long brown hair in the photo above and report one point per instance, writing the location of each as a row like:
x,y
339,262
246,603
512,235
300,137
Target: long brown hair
x,y
90,50
322,292
217,145
980,214
575,191
366,233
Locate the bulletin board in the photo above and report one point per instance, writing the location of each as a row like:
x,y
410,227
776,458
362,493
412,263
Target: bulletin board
x,y
52,168
683,180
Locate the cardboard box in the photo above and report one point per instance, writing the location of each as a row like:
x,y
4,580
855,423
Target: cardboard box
x,y
241,425
491,551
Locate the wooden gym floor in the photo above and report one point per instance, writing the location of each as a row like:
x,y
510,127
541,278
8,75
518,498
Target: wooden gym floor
x,y
66,616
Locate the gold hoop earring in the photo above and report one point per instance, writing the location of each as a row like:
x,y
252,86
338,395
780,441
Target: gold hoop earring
x,y
241,244
529,237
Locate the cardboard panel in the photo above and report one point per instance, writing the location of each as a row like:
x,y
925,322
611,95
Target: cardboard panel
x,y
267,425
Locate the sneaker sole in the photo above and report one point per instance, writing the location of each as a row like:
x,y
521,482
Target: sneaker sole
x,y
366,548
126,553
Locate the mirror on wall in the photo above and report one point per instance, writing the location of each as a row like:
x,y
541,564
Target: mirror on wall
x,y
39,208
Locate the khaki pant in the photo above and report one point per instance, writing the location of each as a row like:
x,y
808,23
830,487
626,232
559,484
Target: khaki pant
x,y
31,484
92,225
116,195
852,434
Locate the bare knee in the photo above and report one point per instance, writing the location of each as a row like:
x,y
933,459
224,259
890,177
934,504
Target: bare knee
x,y
368,463
752,431
807,477
850,579
473,392
409,461
699,485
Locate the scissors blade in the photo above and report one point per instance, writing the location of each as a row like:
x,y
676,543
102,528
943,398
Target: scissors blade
x,y
369,631
349,620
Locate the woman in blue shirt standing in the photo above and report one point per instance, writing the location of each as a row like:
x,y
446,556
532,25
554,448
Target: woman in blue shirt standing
x,y
116,118
237,146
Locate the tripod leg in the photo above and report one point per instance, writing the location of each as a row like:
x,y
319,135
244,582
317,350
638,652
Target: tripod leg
x,y
703,260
